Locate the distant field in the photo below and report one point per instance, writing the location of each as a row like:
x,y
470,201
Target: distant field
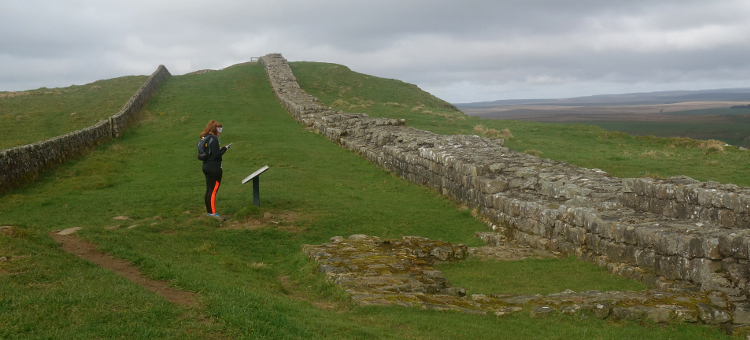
x,y
698,120
31,116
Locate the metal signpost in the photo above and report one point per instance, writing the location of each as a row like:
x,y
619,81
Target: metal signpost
x,y
255,176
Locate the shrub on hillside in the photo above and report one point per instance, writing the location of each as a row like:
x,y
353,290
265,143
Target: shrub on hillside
x,y
712,146
492,133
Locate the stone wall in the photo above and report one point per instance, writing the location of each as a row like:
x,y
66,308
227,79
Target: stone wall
x,y
22,164
653,231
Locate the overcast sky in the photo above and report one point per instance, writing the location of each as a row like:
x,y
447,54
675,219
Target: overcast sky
x,y
460,51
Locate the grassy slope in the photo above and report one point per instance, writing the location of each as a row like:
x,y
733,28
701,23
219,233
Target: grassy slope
x,y
30,116
151,170
584,145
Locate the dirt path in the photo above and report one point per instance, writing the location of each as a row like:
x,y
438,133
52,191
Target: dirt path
x,y
87,251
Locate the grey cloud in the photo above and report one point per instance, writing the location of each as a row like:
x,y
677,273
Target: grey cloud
x,y
460,50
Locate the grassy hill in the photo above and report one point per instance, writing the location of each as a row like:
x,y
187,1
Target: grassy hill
x,y
250,276
31,116
589,146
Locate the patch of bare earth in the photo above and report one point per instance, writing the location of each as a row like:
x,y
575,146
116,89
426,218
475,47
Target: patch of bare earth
x,y
87,251
284,220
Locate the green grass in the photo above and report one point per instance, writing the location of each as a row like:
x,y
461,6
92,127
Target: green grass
x,y
238,274
533,276
588,146
31,116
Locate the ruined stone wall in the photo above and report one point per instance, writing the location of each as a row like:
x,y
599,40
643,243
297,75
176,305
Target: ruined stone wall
x,y
649,230
22,164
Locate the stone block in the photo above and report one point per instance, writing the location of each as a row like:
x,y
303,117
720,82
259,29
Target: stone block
x,y
666,243
442,253
711,248
719,282
650,279
741,313
607,230
580,236
640,312
542,311
712,315
645,236
689,246
705,197
741,247
680,313
615,252
602,246
671,267
630,254
726,218
732,201
645,259
701,268
602,310
717,301
683,210
493,186
628,184
736,269
570,310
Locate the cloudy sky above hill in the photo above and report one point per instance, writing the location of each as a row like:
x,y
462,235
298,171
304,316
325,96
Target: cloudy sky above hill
x,y
461,51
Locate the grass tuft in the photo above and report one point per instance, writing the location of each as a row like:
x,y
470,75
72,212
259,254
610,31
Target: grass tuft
x,y
712,146
533,152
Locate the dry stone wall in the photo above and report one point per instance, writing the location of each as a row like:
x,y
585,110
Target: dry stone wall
x,y
656,231
22,164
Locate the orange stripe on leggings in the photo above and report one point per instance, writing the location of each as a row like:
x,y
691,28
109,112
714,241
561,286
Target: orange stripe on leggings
x,y
213,198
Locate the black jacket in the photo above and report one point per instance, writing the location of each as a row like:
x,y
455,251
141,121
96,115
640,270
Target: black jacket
x,y
215,152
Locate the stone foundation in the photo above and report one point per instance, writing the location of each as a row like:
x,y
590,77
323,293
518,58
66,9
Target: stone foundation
x,y
399,272
676,229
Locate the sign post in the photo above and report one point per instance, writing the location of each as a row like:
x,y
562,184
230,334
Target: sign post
x,y
255,176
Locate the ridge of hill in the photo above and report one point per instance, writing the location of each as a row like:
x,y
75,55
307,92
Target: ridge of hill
x,y
343,89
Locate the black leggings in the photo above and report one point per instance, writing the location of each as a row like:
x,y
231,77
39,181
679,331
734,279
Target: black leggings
x,y
213,174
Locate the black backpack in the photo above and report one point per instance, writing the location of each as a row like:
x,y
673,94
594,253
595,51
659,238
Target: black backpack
x,y
203,150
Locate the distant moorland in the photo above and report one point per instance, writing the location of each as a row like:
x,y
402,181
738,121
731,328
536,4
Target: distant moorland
x,y
711,114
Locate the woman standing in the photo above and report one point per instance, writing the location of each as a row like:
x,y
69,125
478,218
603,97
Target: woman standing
x,y
212,165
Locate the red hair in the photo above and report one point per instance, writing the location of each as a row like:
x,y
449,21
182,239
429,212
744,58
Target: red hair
x,y
211,128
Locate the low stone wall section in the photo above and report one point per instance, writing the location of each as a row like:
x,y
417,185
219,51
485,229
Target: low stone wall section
x,y
649,230
22,164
